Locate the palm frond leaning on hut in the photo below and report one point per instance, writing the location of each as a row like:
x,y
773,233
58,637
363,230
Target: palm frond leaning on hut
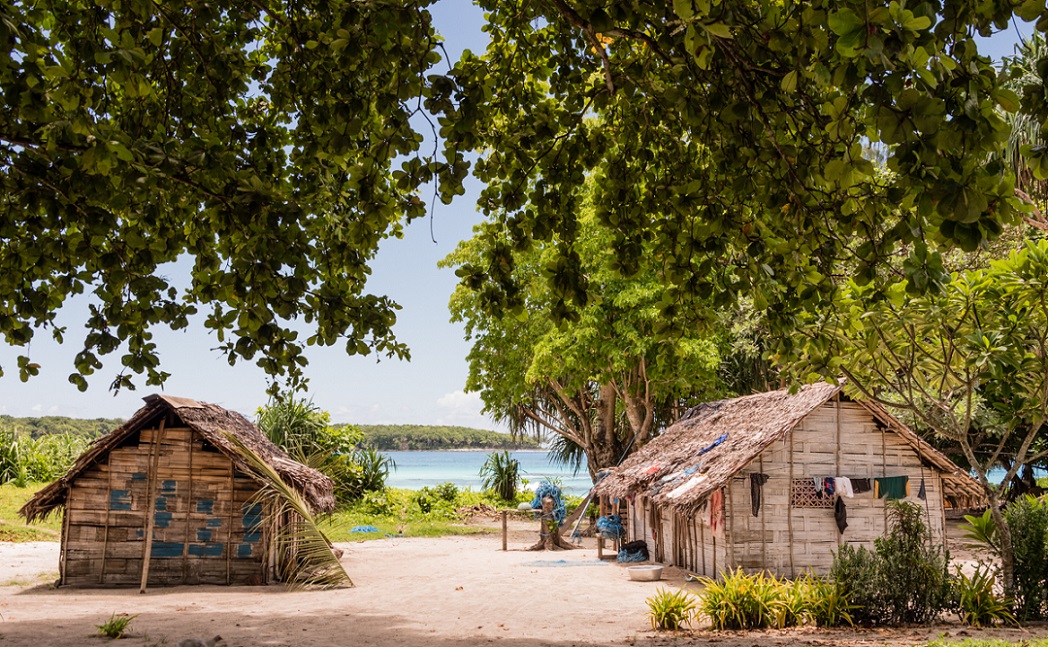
x,y
306,557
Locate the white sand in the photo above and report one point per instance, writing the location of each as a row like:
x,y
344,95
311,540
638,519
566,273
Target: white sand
x,y
453,590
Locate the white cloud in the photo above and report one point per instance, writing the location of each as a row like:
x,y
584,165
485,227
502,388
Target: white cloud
x,y
37,408
461,408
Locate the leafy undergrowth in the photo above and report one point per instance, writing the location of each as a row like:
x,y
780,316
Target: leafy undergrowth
x,y
429,512
13,528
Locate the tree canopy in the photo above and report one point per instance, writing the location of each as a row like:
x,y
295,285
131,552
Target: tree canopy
x,y
268,143
272,146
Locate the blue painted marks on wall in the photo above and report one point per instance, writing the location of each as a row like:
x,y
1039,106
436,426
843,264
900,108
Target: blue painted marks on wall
x,y
119,500
252,521
161,503
210,549
214,523
205,505
140,533
203,534
162,549
168,487
138,476
243,551
162,519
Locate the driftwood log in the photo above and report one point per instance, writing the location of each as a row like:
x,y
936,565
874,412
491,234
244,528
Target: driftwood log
x,y
549,529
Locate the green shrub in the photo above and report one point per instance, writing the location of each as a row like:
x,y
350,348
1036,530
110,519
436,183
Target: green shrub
x,y
24,459
378,503
501,473
117,626
825,604
446,491
670,610
977,604
741,601
904,581
1027,518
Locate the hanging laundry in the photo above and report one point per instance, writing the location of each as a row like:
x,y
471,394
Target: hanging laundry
x,y
829,487
817,480
719,440
891,487
840,515
651,470
844,486
757,481
716,506
860,486
922,494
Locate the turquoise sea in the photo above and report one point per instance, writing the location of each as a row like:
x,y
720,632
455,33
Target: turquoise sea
x,y
416,470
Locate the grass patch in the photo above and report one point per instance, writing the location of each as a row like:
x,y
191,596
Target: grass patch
x,y
429,512
13,527
988,642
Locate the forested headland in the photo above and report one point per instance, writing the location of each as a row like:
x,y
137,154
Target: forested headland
x,y
426,437
47,425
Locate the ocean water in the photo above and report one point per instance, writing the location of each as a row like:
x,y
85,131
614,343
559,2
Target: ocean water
x,y
416,470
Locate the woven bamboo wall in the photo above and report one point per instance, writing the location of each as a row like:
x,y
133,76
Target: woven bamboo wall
x,y
205,529
864,451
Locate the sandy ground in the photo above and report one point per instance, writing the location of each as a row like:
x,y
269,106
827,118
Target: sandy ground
x,y
451,591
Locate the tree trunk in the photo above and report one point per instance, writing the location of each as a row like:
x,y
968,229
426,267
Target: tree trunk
x,y
604,447
549,530
1004,533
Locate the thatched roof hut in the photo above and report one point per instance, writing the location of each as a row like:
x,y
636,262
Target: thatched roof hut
x,y
170,487
792,438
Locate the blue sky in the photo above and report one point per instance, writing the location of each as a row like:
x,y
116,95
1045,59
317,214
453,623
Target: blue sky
x,y
426,390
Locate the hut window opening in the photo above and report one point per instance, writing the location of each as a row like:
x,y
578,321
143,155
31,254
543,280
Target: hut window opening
x,y
804,495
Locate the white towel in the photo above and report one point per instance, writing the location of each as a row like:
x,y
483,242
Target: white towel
x,y
688,485
844,486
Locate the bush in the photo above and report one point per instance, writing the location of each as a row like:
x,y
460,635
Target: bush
x,y
670,610
904,581
1027,518
501,473
741,601
977,604
24,459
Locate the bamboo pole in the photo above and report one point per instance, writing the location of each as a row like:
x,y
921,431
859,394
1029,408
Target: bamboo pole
x,y
837,450
729,528
789,512
229,522
63,551
105,531
884,473
505,540
151,514
702,541
764,530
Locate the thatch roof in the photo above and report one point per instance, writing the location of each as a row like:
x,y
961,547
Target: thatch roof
x,y
685,455
213,423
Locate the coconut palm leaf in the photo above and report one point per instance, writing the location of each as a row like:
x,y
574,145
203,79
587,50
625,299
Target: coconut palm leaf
x,y
306,558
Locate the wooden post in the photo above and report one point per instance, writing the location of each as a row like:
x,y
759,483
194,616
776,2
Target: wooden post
x,y
702,543
151,514
764,537
105,531
729,528
504,531
62,555
789,511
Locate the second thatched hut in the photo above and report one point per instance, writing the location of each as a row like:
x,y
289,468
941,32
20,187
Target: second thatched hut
x,y
778,481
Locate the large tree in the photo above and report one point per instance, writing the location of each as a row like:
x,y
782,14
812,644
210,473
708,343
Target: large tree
x,y
730,137
269,145
969,362
608,377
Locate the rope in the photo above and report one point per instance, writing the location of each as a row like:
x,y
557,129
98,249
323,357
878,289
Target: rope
x,y
549,489
611,526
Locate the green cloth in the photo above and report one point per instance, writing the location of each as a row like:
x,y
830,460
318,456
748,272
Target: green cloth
x,y
892,487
